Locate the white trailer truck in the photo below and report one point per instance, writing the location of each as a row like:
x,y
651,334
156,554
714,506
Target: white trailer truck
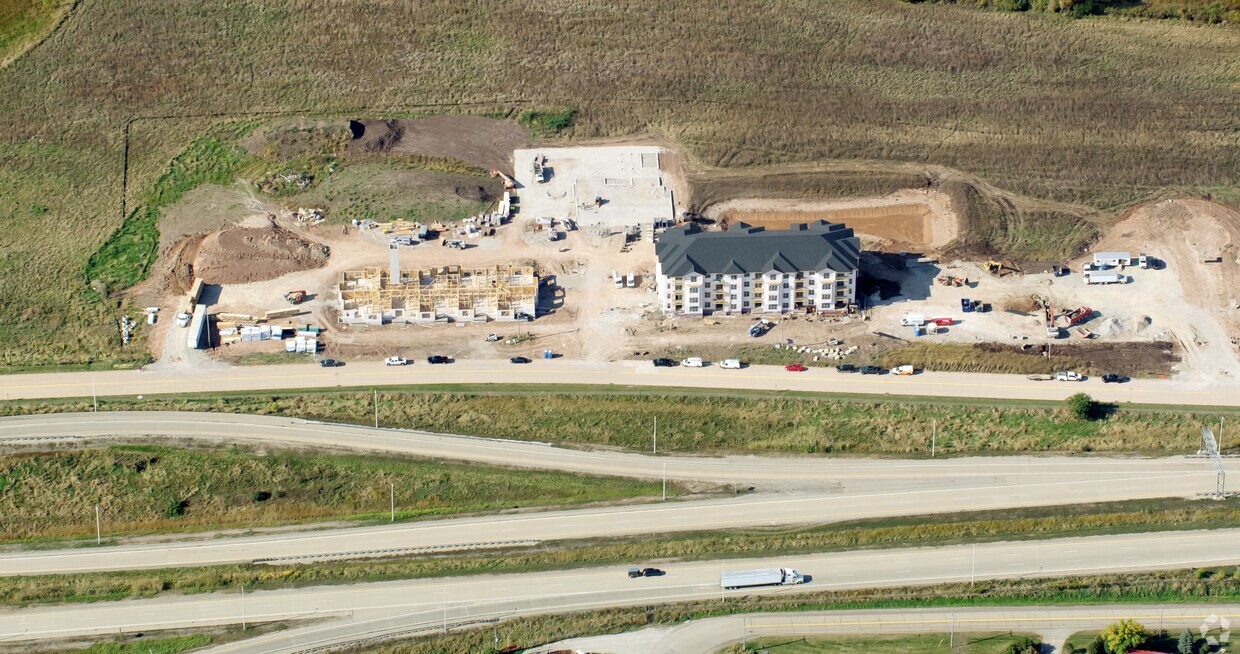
x,y
763,577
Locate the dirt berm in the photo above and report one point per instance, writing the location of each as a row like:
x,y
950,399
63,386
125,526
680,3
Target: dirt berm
x,y
240,255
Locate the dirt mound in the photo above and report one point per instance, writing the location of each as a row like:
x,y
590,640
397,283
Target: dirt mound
x,y
250,254
373,135
473,193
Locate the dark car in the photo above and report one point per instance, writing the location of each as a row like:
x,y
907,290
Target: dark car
x,y
846,367
330,363
635,573
664,363
518,360
436,358
872,370
1114,379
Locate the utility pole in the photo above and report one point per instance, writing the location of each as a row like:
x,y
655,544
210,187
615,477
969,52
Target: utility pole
x,y
655,449
98,526
393,501
95,396
376,409
973,570
665,481
242,607
934,429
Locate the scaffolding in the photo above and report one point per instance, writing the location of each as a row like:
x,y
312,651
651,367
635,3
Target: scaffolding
x,y
444,294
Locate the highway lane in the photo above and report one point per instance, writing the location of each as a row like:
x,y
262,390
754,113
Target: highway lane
x,y
620,373
375,607
833,490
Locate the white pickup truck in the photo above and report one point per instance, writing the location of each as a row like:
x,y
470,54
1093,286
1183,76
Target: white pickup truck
x,y
395,361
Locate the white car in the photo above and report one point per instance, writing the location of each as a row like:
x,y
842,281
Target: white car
x,y
1068,375
693,362
730,364
903,370
395,361
491,338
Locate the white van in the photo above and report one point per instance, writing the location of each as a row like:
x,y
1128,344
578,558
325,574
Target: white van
x,y
693,362
912,321
730,364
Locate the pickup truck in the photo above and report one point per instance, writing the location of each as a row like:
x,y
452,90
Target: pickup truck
x,y
1068,375
395,361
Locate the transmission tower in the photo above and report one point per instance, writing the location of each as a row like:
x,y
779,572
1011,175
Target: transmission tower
x,y
1211,449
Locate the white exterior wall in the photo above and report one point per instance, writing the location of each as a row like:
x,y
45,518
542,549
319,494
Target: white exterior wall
x,y
773,292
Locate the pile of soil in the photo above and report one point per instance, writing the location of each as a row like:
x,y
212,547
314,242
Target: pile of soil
x,y
483,142
1142,359
249,254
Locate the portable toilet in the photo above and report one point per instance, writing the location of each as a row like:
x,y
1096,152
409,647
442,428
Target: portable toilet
x,y
547,354
917,330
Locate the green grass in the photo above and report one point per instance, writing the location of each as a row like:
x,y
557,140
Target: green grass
x,y
126,257
918,531
146,489
1108,112
965,642
547,122
24,22
1177,586
705,420
171,645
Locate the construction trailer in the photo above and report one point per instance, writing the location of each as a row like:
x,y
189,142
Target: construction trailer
x,y
445,294
197,335
1104,260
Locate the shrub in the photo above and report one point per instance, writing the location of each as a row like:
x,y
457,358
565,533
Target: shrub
x,y
1123,636
1025,645
1187,644
1081,405
547,121
1096,646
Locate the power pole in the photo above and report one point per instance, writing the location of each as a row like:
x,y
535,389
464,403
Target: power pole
x,y
934,429
655,450
376,409
95,395
98,526
393,501
242,607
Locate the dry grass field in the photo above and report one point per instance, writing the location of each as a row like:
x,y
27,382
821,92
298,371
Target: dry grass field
x,y
1072,115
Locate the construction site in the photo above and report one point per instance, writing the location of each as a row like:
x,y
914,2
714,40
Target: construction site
x,y
378,296
567,243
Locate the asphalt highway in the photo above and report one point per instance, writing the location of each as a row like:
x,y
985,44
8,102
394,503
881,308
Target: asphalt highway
x,y
620,373
366,609
804,490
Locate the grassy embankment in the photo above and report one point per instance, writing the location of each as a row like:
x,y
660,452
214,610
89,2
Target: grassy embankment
x,y
1202,11
698,420
982,526
1152,587
894,91
148,489
24,22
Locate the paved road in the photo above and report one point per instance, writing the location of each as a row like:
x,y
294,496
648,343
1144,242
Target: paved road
x,y
810,490
1052,623
376,607
631,373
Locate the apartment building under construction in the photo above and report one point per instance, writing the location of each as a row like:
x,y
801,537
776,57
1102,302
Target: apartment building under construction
x,y
443,294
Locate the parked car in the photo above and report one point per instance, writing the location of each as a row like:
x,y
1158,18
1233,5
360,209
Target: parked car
x,y
1113,378
795,367
330,363
730,364
663,362
491,338
395,361
846,367
693,362
437,358
519,360
903,370
873,370
1068,375
636,573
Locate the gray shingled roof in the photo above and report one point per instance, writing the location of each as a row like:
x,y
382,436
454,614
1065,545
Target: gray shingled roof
x,y
744,249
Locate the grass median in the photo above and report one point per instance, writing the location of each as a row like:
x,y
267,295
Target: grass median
x,y
1173,586
698,420
149,489
945,529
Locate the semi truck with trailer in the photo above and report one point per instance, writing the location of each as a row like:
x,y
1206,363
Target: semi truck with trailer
x,y
762,577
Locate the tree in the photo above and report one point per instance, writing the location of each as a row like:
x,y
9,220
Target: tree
x,y
1025,645
1123,636
1187,644
1096,646
1081,405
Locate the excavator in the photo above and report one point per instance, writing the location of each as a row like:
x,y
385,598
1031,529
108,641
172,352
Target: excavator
x,y
295,297
509,183
997,268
